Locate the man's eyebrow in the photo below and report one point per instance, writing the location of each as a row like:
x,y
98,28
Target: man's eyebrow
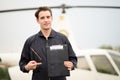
x,y
42,17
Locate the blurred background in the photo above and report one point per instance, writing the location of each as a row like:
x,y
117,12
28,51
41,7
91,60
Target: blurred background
x,y
92,27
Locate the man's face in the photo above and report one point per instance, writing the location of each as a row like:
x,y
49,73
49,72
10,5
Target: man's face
x,y
45,20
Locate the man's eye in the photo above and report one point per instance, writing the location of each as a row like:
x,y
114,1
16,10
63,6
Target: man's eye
x,y
48,17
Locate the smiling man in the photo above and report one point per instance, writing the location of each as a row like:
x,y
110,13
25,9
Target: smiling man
x,y
34,54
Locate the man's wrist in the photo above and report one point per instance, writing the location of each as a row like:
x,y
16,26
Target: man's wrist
x,y
26,68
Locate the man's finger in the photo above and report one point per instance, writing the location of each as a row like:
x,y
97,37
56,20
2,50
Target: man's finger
x,y
38,63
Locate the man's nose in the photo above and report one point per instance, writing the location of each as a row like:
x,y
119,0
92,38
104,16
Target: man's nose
x,y
46,19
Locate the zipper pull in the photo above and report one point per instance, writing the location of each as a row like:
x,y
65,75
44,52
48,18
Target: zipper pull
x,y
46,41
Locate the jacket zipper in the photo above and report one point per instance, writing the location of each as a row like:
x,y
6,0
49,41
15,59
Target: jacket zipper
x,y
47,45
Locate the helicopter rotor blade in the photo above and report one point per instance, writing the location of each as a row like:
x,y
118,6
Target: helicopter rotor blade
x,y
63,6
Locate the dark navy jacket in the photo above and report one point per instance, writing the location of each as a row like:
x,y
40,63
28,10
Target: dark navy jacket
x,y
38,42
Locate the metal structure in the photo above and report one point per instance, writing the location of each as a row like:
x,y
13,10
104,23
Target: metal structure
x,y
63,7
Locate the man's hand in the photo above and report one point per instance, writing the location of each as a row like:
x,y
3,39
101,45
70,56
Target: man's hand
x,y
32,65
68,64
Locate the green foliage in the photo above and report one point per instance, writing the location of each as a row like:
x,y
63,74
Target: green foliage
x,y
116,48
106,47
4,73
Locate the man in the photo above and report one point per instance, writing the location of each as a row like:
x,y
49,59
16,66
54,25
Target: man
x,y
37,44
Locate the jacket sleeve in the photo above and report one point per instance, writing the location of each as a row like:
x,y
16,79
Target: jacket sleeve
x,y
71,54
25,56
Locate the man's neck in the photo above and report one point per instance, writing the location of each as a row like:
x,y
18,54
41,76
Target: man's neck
x,y
46,33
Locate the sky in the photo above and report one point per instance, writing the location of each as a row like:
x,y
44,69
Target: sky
x,y
91,27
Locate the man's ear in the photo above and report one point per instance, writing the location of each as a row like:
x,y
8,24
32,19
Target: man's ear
x,y
37,20
52,18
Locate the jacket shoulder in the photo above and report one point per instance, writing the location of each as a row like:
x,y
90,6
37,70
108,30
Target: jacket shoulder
x,y
61,35
31,39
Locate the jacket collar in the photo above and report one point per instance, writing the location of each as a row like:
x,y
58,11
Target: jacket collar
x,y
52,34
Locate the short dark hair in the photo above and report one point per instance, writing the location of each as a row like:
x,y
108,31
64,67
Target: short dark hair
x,y
44,8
